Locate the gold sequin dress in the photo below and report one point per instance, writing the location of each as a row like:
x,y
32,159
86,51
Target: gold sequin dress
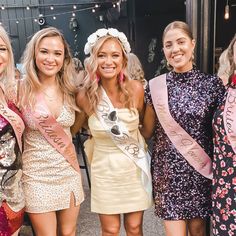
x,y
48,179
116,185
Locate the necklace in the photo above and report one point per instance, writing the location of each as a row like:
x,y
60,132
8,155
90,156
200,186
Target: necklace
x,y
50,98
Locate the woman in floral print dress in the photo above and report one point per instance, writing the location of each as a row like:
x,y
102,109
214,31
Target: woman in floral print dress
x,y
224,164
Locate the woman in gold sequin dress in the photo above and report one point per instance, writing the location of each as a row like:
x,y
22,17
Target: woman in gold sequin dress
x,y
51,177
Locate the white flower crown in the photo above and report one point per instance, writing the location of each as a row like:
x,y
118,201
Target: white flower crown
x,y
92,39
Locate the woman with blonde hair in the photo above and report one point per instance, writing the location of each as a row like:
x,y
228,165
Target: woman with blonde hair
x,y
51,173
135,69
113,107
224,127
11,128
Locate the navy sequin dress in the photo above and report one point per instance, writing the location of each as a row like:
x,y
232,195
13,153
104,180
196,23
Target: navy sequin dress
x,y
179,191
224,179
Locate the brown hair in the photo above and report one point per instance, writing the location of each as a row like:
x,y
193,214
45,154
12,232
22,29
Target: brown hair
x,y
184,27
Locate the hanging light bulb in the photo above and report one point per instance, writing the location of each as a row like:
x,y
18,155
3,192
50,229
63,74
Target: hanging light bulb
x,y
27,7
74,7
3,7
51,7
227,10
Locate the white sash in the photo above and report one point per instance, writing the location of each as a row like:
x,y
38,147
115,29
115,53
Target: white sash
x,y
128,145
229,117
183,142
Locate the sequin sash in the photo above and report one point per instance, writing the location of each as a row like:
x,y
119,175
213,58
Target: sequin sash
x,y
128,145
183,142
15,121
229,117
53,132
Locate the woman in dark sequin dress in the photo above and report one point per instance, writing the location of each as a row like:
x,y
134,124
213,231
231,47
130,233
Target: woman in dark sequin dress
x,y
182,195
224,162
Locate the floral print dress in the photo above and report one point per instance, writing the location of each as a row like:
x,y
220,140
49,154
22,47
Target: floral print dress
x,y
224,179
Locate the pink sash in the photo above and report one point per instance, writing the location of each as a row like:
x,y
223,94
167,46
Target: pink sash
x,y
229,117
54,133
183,142
15,121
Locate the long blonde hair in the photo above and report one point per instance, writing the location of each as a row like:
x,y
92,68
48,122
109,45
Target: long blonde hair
x,y
31,83
135,69
91,83
7,78
230,55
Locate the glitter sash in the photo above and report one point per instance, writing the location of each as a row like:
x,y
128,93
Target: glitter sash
x,y
229,117
128,145
183,142
53,132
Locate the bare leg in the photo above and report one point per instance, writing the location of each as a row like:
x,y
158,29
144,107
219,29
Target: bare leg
x,y
133,223
44,223
197,227
175,227
110,224
67,219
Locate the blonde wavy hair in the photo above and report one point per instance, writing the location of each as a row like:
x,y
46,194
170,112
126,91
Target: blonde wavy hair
x,y
92,85
7,78
31,83
135,69
230,56
224,67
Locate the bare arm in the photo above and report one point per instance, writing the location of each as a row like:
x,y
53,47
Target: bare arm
x,y
81,117
80,121
148,122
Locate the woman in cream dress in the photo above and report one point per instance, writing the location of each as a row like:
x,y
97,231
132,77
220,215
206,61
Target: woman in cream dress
x,y
113,110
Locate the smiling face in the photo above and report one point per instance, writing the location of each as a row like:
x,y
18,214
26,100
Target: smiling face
x,y
178,48
4,56
49,56
110,59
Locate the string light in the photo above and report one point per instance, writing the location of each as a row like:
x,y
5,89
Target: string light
x,y
227,10
93,10
73,14
114,5
27,8
74,7
54,18
17,22
2,7
52,7
96,5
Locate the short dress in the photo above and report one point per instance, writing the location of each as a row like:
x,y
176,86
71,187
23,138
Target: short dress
x,y
12,200
180,192
116,185
224,179
48,179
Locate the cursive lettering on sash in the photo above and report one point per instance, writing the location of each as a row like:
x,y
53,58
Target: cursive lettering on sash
x,y
54,133
183,142
15,121
229,117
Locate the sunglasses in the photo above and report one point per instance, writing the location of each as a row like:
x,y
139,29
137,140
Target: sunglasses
x,y
115,129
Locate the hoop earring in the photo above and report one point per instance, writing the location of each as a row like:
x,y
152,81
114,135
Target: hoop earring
x,y
121,78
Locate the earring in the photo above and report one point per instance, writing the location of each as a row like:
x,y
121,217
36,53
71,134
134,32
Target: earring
x,y
97,78
121,79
